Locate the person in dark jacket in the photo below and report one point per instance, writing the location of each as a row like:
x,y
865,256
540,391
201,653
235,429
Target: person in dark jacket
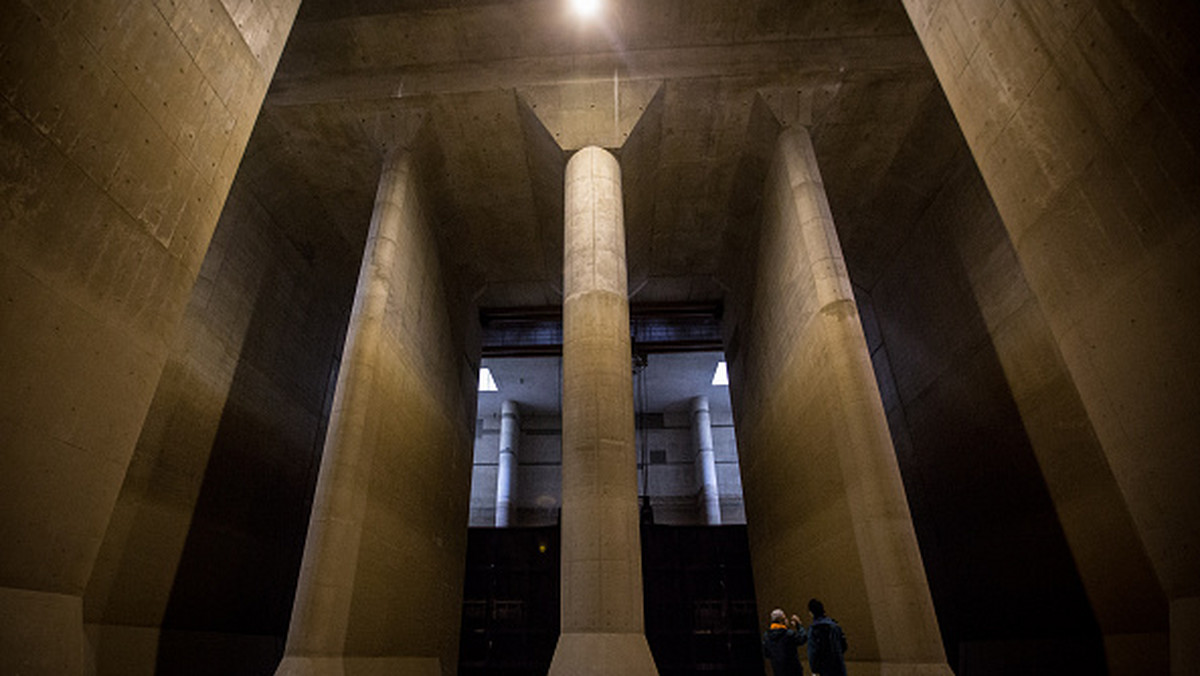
x,y
826,643
781,644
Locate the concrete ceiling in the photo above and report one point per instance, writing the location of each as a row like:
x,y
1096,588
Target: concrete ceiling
x,y
492,96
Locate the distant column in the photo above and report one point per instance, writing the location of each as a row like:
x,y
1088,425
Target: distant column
x,y
510,433
602,621
706,461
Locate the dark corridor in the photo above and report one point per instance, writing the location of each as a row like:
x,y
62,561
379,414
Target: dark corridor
x,y
699,599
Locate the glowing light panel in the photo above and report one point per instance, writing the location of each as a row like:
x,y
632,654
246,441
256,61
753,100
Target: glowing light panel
x,y
586,8
486,382
720,376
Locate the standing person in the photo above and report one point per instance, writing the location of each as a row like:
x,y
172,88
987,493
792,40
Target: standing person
x,y
826,642
781,644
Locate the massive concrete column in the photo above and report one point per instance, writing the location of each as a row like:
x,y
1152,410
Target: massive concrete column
x,y
242,400
121,127
380,583
706,461
1081,117
506,469
602,619
825,506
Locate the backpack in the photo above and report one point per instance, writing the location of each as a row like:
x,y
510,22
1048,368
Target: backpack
x,y
826,644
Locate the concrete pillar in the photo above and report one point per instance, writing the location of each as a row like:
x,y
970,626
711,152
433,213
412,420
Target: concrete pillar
x,y
1081,117
706,461
215,431
121,130
602,620
380,583
506,470
825,506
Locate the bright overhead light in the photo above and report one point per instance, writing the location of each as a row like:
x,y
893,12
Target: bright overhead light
x,y
586,8
720,376
486,382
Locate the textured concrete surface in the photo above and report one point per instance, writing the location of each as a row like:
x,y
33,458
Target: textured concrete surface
x,y
602,622
978,397
224,469
596,654
1081,118
688,73
123,125
825,506
388,529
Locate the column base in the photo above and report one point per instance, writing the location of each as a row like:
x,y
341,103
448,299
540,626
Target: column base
x,y
145,651
912,669
894,668
40,632
1185,627
1130,654
359,666
602,655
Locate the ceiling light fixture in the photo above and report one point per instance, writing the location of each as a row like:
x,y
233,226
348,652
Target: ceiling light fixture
x,y
486,382
720,375
586,8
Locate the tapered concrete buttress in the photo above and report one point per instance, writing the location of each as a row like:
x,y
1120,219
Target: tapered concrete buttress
x,y
706,461
825,505
602,621
506,470
121,128
381,579
1081,117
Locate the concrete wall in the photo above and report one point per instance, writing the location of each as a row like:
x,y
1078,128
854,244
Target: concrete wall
x,y
1081,117
123,124
381,581
199,562
997,454
673,485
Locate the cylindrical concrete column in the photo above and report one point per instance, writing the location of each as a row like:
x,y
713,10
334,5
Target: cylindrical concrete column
x,y
893,577
602,621
321,611
506,469
706,461
822,482
391,457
